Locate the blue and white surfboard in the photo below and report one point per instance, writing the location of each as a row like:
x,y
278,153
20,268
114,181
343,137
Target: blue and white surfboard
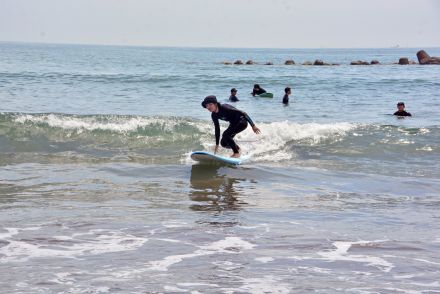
x,y
211,158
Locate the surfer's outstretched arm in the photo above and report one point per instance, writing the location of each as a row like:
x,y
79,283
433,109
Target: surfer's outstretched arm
x,y
254,127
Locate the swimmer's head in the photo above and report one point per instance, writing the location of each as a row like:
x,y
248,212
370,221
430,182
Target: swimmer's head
x,y
400,106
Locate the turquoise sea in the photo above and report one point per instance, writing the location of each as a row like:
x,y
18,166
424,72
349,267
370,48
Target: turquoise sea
x,y
98,193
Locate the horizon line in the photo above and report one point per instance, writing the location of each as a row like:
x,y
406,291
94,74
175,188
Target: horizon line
x,y
208,47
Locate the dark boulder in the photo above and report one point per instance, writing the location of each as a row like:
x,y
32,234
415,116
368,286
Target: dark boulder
x,y
424,58
238,62
249,62
289,62
359,62
320,62
269,63
403,61
374,62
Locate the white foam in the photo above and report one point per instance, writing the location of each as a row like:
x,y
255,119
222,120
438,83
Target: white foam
x,y
319,270
162,265
427,261
110,123
89,243
169,240
404,142
404,276
197,284
341,254
264,259
263,285
432,284
367,290
227,245
395,290
173,289
425,148
174,224
275,136
227,265
22,285
10,232
14,231
101,289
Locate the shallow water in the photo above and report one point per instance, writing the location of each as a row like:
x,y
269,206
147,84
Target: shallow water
x,y
98,193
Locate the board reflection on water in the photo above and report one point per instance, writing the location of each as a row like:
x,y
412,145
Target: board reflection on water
x,y
214,188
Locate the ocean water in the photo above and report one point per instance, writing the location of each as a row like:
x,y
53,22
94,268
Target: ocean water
x,y
98,193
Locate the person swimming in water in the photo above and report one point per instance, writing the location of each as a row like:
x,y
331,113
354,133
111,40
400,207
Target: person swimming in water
x,y
287,92
233,97
401,110
257,90
238,122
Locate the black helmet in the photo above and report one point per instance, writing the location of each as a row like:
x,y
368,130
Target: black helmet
x,y
209,99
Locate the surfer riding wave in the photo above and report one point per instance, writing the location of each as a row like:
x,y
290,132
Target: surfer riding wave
x,y
238,122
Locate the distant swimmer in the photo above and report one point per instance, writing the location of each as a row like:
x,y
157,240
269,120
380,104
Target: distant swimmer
x,y
401,110
238,122
233,97
258,90
287,92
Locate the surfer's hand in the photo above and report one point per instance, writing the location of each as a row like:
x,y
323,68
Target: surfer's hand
x,y
256,130
215,149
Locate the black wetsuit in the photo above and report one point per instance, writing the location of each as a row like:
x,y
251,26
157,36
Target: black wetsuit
x,y
238,122
402,113
286,99
258,92
233,98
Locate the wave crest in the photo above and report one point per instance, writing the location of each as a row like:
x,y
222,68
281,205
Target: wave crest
x,y
107,136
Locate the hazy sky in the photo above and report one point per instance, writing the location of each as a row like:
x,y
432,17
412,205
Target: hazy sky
x,y
224,23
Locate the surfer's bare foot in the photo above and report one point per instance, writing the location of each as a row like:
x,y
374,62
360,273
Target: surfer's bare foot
x,y
235,155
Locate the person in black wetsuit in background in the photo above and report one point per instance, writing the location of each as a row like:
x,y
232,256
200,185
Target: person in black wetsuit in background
x,y
238,122
401,110
257,90
287,92
233,97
